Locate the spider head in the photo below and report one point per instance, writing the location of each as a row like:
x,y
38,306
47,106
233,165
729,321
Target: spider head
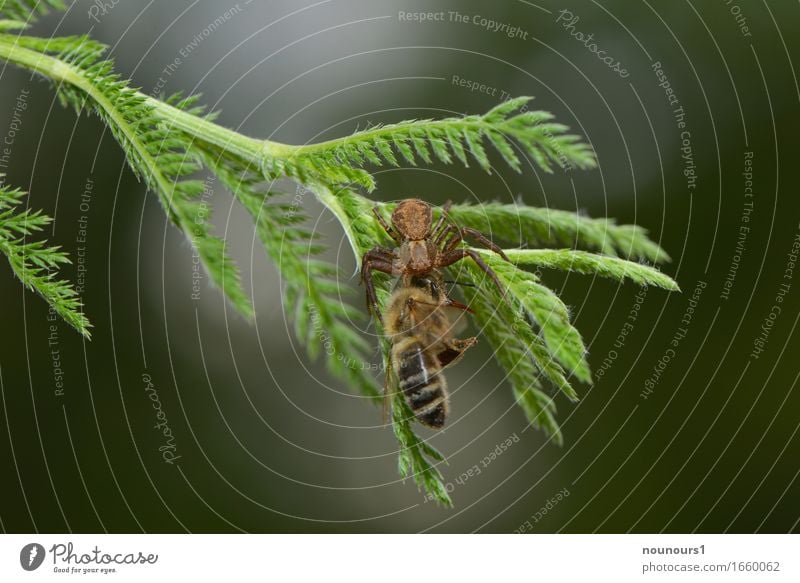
x,y
413,219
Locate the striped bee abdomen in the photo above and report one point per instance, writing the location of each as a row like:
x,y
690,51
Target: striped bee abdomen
x,y
422,382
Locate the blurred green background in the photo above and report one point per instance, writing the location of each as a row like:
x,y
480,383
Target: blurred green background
x,y
268,442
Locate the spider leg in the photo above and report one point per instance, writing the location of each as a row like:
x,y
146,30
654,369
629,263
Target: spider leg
x,y
439,224
455,239
388,392
442,218
459,254
378,259
390,230
481,238
444,234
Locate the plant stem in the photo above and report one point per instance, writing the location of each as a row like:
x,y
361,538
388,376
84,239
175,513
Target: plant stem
x,y
250,149
247,148
62,72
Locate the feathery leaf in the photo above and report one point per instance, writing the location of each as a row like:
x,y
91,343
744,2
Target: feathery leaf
x,y
34,263
417,458
524,225
164,160
513,343
590,263
546,309
312,290
168,143
26,11
418,141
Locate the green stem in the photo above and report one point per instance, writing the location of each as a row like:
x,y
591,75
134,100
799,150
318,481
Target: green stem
x,y
253,151
244,147
250,149
62,72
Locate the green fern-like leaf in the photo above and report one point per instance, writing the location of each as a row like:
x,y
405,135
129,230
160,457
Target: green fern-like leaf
x,y
523,225
542,306
417,458
169,142
515,346
556,352
33,262
11,25
548,144
312,292
163,159
26,11
593,264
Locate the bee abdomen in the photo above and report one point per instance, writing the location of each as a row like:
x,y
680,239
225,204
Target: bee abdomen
x,y
422,382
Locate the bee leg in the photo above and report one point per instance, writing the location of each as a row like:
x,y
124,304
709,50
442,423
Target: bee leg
x,y
465,344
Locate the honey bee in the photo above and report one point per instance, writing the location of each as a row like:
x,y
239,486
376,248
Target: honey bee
x,y
420,324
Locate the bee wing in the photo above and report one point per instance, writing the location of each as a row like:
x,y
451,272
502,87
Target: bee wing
x,y
457,318
455,351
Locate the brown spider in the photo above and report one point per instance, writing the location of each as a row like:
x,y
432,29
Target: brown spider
x,y
422,247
